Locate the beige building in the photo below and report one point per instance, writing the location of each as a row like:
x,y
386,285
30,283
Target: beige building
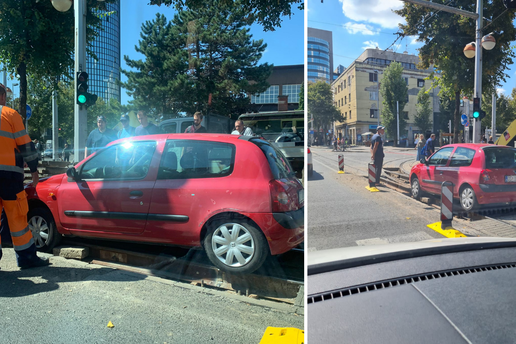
x,y
356,94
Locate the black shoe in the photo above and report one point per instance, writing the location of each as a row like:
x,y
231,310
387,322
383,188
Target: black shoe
x,y
39,262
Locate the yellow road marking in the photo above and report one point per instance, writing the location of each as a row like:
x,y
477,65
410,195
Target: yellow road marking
x,y
372,189
448,232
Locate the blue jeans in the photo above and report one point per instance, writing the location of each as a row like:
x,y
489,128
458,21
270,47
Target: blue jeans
x,y
418,155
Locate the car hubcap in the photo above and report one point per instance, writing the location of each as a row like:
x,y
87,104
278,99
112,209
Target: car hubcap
x,y
415,188
233,244
467,198
40,230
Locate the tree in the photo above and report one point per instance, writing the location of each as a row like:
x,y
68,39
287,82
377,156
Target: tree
x,y
205,60
394,92
445,35
320,105
505,111
38,40
423,111
267,13
302,97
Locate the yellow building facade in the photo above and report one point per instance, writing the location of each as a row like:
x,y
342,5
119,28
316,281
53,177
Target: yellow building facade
x,y
356,94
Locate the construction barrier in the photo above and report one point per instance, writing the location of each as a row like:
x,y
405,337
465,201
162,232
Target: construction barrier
x,y
445,227
341,163
371,168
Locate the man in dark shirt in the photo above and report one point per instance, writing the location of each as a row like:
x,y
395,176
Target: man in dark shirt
x,y
430,146
127,130
145,127
196,127
99,137
377,152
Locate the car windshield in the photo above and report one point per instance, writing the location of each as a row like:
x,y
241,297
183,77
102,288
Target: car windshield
x,y
147,218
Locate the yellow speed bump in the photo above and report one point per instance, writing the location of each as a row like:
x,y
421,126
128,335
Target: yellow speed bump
x,y
283,335
448,232
372,189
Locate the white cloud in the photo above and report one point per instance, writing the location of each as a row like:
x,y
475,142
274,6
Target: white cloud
x,y
373,11
500,91
354,28
413,40
370,45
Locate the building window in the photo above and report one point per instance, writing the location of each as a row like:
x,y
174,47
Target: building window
x,y
292,91
349,114
420,83
372,95
373,77
344,83
270,96
406,81
407,99
349,98
345,99
373,113
349,81
346,115
405,114
342,101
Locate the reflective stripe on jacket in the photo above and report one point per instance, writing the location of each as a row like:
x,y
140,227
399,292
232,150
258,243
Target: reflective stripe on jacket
x,y
15,145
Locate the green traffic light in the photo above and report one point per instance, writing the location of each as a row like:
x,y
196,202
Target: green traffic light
x,y
81,99
476,114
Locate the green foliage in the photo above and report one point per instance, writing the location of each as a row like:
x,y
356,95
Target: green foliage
x,y
37,40
267,13
423,111
447,110
505,111
445,35
394,90
320,105
201,52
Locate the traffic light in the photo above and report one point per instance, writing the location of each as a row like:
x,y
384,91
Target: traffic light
x,y
83,97
476,108
482,115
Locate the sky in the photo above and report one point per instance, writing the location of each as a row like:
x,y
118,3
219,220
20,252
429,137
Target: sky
x,y
285,46
360,24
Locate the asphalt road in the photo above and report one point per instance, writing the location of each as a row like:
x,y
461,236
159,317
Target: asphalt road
x,y
342,212
72,302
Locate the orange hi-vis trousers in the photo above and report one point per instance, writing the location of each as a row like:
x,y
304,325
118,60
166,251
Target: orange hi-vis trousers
x,y
16,212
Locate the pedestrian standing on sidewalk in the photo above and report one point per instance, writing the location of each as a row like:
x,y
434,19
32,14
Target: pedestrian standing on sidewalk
x,y
377,154
419,146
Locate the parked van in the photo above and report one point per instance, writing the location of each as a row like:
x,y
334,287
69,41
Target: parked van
x,y
213,123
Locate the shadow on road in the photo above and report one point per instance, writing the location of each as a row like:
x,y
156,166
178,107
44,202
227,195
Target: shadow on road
x,y
316,176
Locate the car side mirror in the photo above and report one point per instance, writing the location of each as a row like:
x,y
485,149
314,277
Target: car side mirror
x,y
72,174
423,161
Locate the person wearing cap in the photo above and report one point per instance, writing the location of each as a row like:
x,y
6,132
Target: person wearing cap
x,y
99,137
377,154
127,130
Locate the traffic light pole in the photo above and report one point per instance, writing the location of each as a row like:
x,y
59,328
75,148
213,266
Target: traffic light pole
x,y
478,70
80,112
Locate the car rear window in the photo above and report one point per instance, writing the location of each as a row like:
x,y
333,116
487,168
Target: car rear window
x,y
279,165
500,157
183,159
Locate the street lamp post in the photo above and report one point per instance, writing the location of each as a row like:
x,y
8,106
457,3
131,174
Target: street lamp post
x,y
80,113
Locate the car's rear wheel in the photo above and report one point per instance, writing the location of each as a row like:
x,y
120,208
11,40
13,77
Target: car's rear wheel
x,y
43,228
235,246
416,188
468,200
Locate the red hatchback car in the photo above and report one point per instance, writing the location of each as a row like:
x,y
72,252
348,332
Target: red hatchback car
x,y
481,174
235,196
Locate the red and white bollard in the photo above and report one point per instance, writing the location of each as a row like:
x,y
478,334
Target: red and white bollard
x,y
341,163
446,204
372,175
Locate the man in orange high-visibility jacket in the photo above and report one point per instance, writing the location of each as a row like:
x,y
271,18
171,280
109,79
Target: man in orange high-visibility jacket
x,y
15,148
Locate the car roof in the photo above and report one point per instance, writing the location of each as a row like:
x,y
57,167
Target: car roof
x,y
473,145
208,137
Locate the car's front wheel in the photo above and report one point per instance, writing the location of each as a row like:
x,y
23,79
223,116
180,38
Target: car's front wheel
x,y
43,228
415,188
235,246
468,200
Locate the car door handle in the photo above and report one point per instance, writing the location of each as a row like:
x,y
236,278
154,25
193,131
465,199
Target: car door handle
x,y
135,194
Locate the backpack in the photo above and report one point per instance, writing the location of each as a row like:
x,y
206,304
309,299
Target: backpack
x,y
424,151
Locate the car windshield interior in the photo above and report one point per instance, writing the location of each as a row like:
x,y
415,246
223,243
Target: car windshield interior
x,y
128,160
196,159
500,158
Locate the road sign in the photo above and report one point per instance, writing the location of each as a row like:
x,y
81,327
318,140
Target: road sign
x,y
311,132
463,119
467,124
28,112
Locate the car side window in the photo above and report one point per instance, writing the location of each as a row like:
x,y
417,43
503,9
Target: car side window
x,y
128,160
462,157
170,128
184,125
441,157
185,159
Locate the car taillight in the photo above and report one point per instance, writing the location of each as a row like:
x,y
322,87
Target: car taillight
x,y
484,176
309,151
280,200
